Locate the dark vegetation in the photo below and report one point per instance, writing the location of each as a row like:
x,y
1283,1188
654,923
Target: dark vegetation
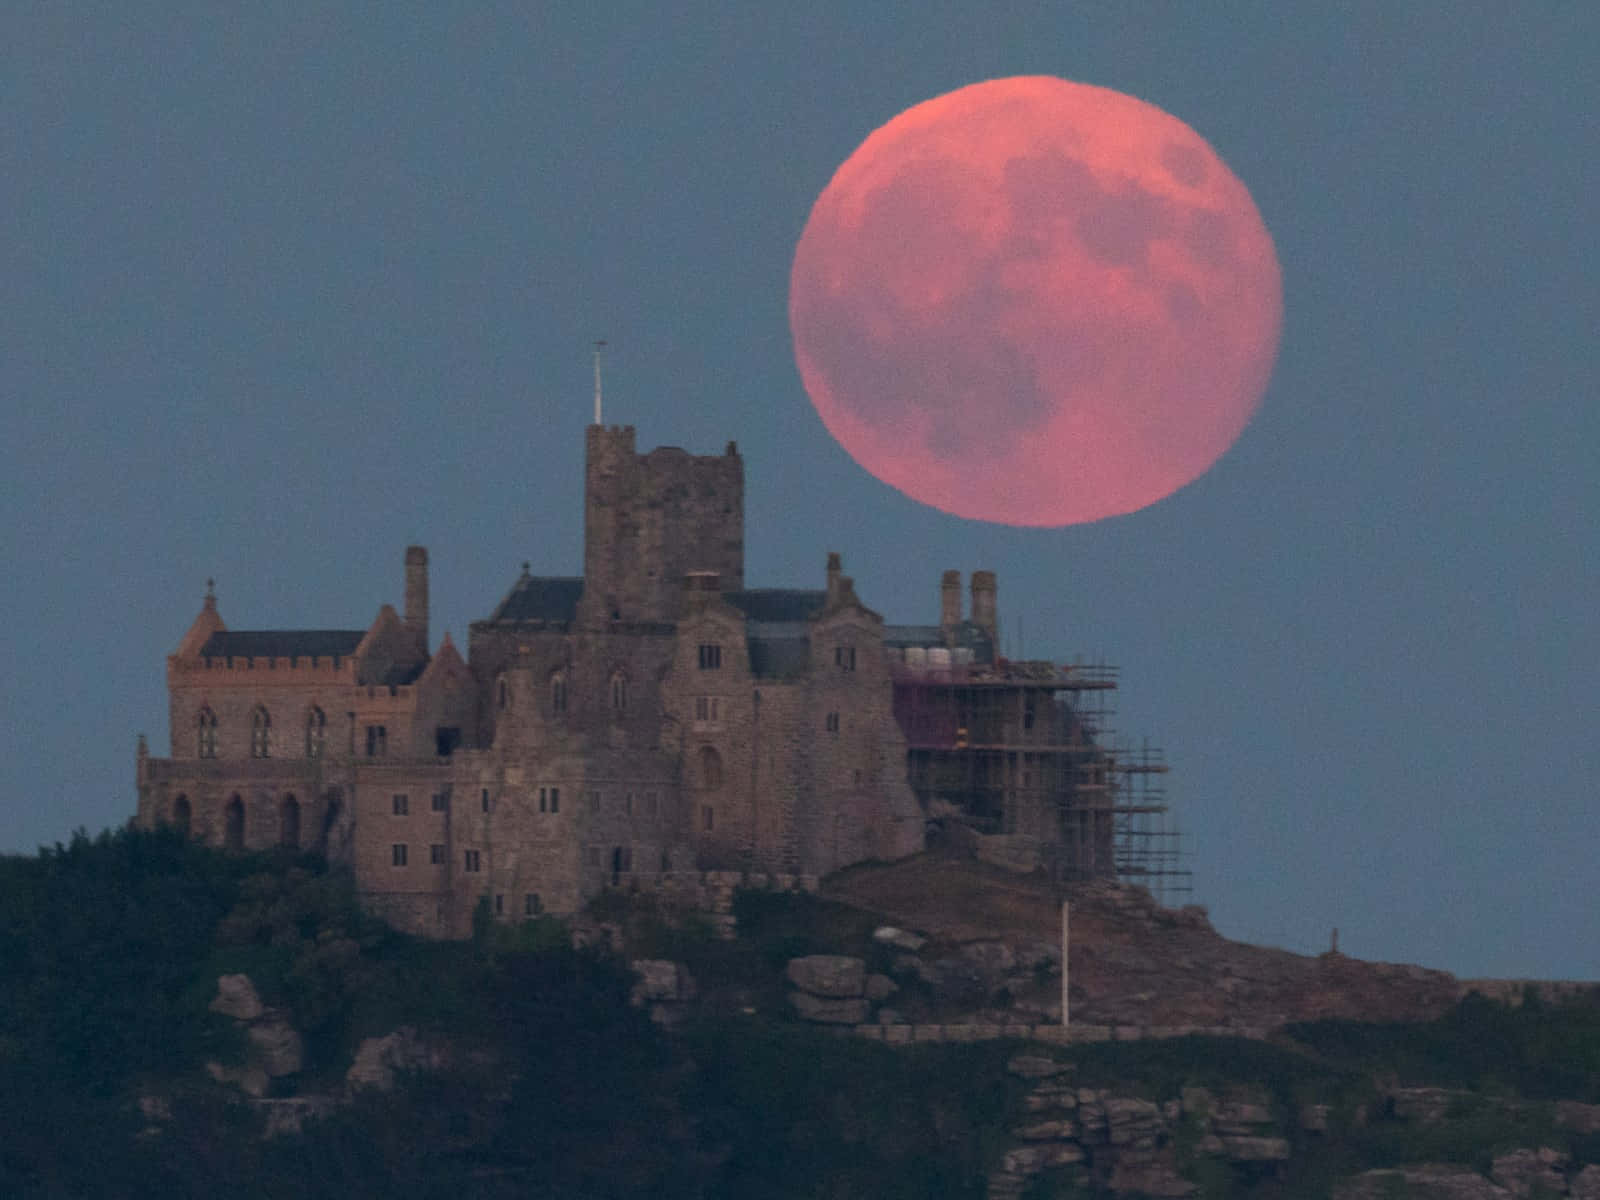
x,y
110,948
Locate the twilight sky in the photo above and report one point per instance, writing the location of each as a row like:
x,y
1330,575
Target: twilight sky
x,y
285,289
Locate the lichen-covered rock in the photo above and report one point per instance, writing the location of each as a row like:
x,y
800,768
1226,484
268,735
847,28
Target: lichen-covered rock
x,y
277,1046
1050,1096
880,987
661,979
236,997
1030,1160
1036,1066
900,939
1531,1173
1047,1131
379,1059
833,975
1427,1181
1586,1183
831,1010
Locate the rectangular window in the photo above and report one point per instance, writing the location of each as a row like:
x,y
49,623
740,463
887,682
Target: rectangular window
x,y
831,722
483,799
844,657
471,861
531,906
499,904
377,741
594,802
708,818
401,803
555,800
397,854
707,712
710,656
436,854
441,802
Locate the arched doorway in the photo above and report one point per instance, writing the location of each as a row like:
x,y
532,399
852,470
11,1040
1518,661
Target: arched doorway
x,y
289,823
182,814
233,825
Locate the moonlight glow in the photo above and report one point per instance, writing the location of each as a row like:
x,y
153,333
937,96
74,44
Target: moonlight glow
x,y
1035,302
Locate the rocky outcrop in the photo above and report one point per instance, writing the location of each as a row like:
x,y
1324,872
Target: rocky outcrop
x,y
379,1061
1425,1181
274,1048
1130,1144
836,976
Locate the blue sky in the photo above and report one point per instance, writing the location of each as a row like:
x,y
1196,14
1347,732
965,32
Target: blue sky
x,y
284,289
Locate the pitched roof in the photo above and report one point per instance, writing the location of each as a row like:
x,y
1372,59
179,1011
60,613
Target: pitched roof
x,y
281,643
541,598
777,604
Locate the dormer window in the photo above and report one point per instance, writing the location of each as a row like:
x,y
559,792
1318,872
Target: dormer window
x,y
558,692
316,732
206,733
260,733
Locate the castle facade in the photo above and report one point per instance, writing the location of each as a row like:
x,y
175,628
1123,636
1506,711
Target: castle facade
x,y
650,717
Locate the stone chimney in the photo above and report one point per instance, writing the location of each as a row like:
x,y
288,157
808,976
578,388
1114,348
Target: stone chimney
x,y
416,619
985,604
950,602
834,567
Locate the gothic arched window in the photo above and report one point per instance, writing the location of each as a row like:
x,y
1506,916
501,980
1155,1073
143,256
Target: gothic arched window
x,y
182,814
289,823
233,824
710,769
206,733
502,694
260,733
619,692
558,692
316,732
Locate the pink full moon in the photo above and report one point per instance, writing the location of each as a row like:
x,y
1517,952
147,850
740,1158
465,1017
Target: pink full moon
x,y
1035,302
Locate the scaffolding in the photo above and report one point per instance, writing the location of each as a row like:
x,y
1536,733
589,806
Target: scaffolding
x,y
1025,750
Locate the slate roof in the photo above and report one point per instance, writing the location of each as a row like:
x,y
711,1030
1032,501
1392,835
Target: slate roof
x,y
777,604
282,643
541,598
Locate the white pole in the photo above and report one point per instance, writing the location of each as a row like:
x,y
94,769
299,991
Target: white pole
x,y
1064,940
597,348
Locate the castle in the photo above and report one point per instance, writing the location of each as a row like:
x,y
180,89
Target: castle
x,y
651,717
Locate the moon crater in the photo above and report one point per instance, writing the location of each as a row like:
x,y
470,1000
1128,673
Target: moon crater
x,y
1035,302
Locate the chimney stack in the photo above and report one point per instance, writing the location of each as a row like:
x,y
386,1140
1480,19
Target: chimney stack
x,y
985,604
950,601
416,619
834,567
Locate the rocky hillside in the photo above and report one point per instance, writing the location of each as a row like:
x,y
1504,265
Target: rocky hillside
x,y
1132,962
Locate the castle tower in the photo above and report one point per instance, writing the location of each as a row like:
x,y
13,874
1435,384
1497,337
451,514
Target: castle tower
x,y
651,519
